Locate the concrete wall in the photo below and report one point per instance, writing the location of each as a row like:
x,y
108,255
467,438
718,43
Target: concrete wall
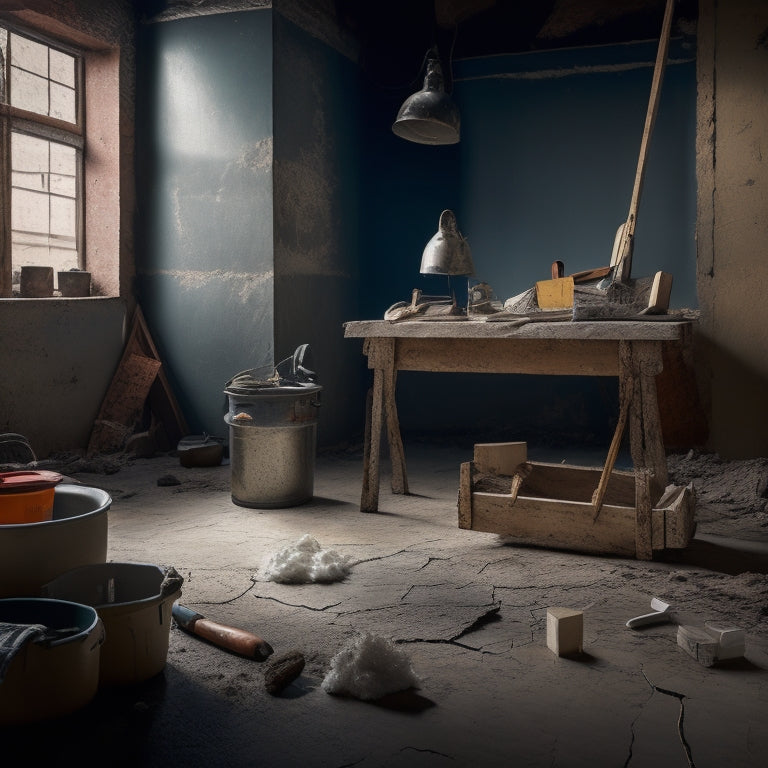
x,y
57,357
732,357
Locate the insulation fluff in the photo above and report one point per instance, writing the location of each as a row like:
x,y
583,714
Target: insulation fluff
x,y
306,561
368,668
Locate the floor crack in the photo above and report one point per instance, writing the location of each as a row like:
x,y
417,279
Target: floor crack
x,y
680,720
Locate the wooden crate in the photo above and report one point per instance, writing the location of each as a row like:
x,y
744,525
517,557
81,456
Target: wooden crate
x,y
550,505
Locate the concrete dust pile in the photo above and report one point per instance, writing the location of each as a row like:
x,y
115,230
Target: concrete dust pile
x,y
368,668
306,561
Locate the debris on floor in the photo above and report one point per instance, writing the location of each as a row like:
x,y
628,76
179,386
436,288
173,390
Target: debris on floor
x,y
711,643
306,561
282,670
662,612
369,668
565,631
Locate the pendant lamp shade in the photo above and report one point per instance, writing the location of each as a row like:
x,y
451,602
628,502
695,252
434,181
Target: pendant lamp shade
x,y
429,116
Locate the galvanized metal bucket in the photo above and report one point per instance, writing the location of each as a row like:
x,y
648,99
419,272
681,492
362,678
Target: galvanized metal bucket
x,y
272,443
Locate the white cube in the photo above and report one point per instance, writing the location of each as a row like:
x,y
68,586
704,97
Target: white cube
x,y
565,631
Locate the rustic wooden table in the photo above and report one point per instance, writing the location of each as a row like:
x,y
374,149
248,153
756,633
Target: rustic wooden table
x,y
629,350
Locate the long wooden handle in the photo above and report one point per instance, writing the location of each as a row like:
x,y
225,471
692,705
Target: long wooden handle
x,y
232,639
613,452
624,264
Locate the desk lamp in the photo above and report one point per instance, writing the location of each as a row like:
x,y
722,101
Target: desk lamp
x,y
447,252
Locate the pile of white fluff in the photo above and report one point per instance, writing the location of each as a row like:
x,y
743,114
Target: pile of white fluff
x,y
305,561
368,668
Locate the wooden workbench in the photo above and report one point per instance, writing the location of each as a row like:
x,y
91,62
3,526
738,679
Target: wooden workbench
x,y
629,350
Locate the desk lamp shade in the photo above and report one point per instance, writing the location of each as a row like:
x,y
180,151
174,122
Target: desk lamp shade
x,y
447,252
429,116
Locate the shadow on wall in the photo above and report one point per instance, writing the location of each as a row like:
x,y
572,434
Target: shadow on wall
x,y
734,393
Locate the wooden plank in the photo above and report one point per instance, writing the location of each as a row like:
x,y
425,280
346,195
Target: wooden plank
x,y
541,356
381,357
679,518
162,399
465,495
601,330
567,481
556,523
399,480
123,404
369,501
500,458
613,450
643,519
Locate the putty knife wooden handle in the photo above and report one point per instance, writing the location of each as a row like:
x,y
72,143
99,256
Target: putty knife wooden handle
x,y
238,641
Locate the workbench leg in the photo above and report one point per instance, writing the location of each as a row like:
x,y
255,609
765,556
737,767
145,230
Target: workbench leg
x,y
369,500
381,408
639,363
396,450
643,515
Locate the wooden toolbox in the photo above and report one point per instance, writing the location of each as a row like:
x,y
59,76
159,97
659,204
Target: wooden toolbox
x,y
551,505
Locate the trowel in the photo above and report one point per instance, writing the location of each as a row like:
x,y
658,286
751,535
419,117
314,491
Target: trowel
x,y
662,612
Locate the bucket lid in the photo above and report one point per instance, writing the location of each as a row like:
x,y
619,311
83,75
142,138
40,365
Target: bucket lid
x,y
26,481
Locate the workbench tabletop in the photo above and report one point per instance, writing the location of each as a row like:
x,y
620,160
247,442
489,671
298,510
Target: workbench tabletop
x,y
607,330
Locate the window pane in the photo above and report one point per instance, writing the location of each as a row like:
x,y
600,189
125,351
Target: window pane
x,y
43,203
63,170
62,68
3,59
62,222
63,102
29,212
30,165
37,87
29,55
29,92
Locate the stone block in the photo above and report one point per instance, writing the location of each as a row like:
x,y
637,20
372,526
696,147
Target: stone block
x,y
565,631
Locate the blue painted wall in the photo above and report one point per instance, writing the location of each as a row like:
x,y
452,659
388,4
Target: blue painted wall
x,y
549,152
317,210
205,218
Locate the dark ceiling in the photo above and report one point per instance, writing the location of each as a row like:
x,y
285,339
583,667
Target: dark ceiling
x,y
395,36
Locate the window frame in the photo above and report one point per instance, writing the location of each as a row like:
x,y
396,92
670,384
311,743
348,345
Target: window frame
x,y
15,119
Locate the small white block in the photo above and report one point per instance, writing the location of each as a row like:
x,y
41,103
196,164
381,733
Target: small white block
x,y
730,641
565,631
699,643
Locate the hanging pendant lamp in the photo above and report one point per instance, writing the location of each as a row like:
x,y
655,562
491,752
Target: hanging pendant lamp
x,y
429,116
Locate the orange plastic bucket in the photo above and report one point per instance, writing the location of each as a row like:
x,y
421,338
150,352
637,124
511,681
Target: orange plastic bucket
x,y
27,497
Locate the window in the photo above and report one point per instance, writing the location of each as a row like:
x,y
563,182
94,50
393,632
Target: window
x,y
41,157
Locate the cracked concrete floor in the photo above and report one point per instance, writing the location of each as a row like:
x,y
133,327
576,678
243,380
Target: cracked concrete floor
x,y
470,611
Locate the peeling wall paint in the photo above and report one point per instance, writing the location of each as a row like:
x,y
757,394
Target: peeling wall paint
x,y
242,285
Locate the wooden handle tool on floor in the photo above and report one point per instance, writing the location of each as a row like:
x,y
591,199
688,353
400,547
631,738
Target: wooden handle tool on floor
x,y
232,639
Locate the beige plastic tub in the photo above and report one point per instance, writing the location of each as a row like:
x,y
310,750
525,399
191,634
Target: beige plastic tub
x,y
137,616
53,678
31,554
